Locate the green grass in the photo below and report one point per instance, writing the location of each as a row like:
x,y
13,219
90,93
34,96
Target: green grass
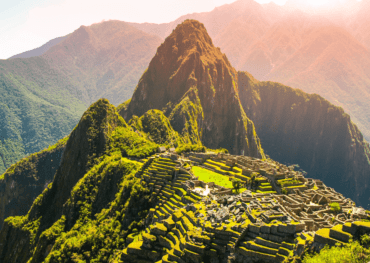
x,y
209,176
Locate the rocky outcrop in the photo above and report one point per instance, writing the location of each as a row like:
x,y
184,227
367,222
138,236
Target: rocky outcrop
x,y
305,129
25,180
188,69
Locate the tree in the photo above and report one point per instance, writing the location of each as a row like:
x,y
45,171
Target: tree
x,y
253,178
335,207
247,183
284,191
237,184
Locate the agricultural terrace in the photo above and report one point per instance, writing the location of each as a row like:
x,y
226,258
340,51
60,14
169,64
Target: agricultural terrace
x,y
210,176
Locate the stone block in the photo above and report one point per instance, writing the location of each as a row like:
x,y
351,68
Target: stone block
x,y
250,253
194,257
254,228
276,238
274,229
267,243
164,242
265,229
161,149
282,228
341,236
361,227
284,251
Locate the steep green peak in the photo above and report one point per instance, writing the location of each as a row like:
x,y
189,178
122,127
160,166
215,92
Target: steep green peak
x,y
88,141
186,61
104,113
157,128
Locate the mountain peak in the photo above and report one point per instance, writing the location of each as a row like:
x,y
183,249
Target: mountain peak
x,y
188,71
176,68
192,30
188,38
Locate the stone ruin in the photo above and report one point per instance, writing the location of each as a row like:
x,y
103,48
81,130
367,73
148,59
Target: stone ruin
x,y
194,220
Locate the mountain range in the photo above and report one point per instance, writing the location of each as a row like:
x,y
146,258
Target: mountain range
x,y
307,51
94,200
44,96
324,52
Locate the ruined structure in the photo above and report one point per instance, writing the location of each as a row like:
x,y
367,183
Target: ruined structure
x,y
198,221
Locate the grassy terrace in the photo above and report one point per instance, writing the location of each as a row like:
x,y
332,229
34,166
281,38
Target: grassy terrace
x,y
288,181
209,176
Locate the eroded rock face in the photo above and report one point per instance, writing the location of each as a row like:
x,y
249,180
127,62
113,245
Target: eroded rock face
x,y
296,127
26,179
189,72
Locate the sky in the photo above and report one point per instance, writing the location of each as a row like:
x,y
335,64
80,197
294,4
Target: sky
x,y
28,24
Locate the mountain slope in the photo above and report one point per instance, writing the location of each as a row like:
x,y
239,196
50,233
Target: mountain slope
x,y
104,59
296,127
188,68
38,105
43,97
92,174
26,179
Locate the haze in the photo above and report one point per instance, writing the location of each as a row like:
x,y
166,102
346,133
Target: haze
x,y
27,24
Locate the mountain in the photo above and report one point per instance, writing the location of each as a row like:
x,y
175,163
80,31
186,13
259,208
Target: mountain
x,y
196,86
93,149
333,64
308,136
40,50
25,180
104,60
38,107
114,198
297,45
359,24
305,129
43,97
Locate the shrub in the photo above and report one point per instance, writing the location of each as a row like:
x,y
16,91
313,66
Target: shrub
x,y
335,207
352,252
365,240
237,184
190,148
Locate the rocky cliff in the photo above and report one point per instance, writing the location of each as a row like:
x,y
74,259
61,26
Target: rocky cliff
x,y
305,129
193,82
25,180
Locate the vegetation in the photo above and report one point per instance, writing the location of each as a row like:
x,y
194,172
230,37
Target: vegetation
x,y
320,115
37,108
351,252
155,126
210,176
11,151
130,144
184,117
335,207
237,184
28,163
190,148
